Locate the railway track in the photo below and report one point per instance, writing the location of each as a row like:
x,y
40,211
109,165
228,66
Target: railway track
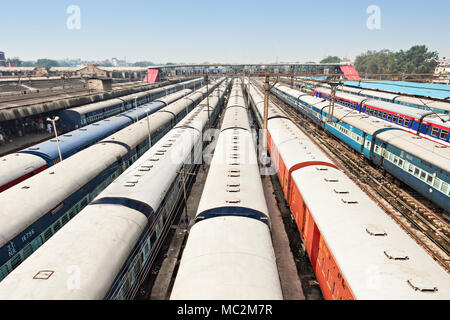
x,y
427,228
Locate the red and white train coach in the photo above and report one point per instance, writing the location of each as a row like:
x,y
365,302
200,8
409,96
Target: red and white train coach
x,y
356,250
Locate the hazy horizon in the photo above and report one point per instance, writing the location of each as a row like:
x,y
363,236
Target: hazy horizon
x,y
224,32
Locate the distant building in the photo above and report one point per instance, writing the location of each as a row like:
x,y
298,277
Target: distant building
x,y
443,67
442,71
2,59
118,63
10,64
347,61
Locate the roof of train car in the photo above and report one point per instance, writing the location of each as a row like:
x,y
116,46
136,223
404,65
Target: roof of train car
x,y
363,258
26,202
93,160
399,109
116,224
79,138
394,107
349,252
14,166
435,154
425,102
402,87
424,149
384,95
240,266
105,104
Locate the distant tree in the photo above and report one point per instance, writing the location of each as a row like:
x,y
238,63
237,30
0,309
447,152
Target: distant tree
x,y
106,64
67,63
170,64
28,64
46,63
331,59
418,59
143,64
15,60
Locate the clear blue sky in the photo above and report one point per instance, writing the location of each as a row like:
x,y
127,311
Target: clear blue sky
x,y
219,31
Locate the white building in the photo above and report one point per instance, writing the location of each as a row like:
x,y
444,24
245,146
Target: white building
x,y
443,67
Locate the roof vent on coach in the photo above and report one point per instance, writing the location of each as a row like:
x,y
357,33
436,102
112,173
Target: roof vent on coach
x,y
43,275
349,201
129,185
422,285
375,231
233,201
340,192
396,255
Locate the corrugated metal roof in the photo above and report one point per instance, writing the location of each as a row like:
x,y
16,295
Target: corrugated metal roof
x,y
441,91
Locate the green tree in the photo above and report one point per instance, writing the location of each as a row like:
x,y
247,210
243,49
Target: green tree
x,y
28,64
106,63
16,60
418,59
47,63
143,64
331,59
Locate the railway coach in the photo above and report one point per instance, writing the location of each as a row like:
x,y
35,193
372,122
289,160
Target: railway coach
x,y
35,209
116,238
30,161
417,162
356,250
422,103
78,117
229,253
423,122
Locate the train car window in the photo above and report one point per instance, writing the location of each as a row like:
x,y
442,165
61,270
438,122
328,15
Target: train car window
x,y
400,120
434,132
423,175
430,179
84,203
394,119
384,115
56,226
444,187
380,114
400,162
407,122
416,172
436,183
444,135
16,261
389,117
